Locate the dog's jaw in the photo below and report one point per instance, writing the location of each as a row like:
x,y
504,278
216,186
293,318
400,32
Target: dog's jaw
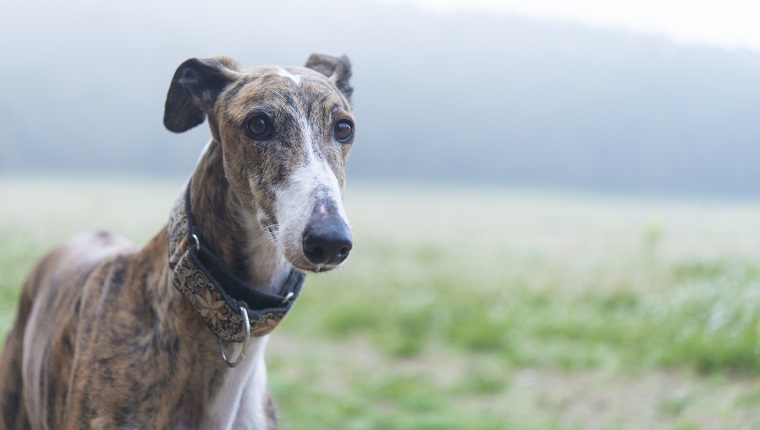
x,y
269,268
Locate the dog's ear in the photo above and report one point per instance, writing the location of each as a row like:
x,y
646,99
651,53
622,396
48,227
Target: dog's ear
x,y
337,69
195,87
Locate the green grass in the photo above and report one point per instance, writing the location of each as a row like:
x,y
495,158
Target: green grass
x,y
483,309
667,315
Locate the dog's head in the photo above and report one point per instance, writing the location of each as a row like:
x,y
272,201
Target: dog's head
x,y
285,134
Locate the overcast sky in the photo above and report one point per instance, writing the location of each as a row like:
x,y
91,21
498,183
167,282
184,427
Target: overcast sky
x,y
723,23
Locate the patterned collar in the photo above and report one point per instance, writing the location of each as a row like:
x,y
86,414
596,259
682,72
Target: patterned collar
x,y
220,298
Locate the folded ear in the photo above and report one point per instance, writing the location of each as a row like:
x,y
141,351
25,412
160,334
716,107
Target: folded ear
x,y
337,69
195,87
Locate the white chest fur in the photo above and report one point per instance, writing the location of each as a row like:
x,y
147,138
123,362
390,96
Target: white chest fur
x,y
240,404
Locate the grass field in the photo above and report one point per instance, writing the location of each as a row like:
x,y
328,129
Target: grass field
x,y
464,308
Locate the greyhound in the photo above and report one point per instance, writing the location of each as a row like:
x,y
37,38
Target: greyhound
x,y
172,335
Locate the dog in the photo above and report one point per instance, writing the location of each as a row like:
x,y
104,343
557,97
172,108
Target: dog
x,y
172,335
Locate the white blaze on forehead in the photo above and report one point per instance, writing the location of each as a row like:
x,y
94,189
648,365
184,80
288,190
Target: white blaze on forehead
x,y
285,74
323,177
310,182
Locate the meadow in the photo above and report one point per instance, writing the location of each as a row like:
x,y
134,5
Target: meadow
x,y
474,308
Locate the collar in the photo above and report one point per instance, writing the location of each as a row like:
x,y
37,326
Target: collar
x,y
223,301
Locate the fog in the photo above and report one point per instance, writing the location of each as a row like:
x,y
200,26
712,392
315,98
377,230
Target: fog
x,y
465,98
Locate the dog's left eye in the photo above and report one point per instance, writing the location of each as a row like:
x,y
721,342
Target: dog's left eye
x,y
259,126
343,130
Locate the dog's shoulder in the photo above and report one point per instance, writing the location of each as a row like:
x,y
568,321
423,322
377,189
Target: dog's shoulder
x,y
74,261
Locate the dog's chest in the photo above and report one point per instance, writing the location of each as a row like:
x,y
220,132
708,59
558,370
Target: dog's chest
x,y
241,400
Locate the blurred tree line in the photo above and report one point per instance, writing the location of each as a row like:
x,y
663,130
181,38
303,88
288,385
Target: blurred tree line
x,y
459,98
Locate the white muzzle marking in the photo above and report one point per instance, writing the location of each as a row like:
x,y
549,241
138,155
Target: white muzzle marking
x,y
313,187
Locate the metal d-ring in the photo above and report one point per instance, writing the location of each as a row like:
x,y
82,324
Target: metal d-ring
x,y
288,297
197,242
240,358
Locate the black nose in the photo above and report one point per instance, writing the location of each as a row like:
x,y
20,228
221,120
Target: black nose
x,y
327,241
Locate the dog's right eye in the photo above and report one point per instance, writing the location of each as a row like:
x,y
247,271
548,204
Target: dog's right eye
x,y
343,130
259,126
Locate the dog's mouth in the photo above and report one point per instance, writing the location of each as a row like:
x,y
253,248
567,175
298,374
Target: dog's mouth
x,y
301,263
317,269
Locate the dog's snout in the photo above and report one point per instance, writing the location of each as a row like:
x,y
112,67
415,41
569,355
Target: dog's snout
x,y
327,241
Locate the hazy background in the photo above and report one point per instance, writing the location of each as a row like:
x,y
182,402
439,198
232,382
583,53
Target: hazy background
x,y
486,95
555,204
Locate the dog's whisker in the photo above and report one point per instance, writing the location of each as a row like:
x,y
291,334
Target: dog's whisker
x,y
268,234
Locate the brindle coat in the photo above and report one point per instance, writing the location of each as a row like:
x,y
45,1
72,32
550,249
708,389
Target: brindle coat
x,y
103,340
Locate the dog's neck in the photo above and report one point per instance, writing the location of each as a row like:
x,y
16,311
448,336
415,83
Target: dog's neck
x,y
229,398
229,227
